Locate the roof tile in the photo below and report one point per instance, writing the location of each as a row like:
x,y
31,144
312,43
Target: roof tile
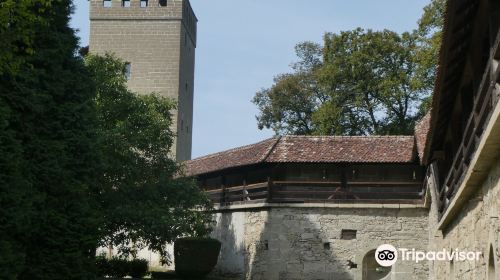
x,y
240,156
343,149
312,149
421,132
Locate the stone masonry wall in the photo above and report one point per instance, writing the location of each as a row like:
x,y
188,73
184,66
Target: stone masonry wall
x,y
305,243
160,50
186,94
475,228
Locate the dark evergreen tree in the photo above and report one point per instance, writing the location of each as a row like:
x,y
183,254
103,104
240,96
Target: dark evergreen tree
x,y
48,220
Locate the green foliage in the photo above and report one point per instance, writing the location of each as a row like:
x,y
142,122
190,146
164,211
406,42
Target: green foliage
x,y
48,223
195,257
287,107
18,22
429,42
137,268
102,266
83,160
120,267
360,82
163,275
369,78
144,200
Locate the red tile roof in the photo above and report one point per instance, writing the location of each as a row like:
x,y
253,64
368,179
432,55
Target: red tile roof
x,y
245,155
421,132
343,149
312,149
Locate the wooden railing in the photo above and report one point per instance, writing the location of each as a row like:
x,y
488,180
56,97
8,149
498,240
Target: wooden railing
x,y
254,192
320,191
484,103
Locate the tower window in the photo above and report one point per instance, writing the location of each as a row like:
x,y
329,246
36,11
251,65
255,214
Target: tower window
x,y
126,3
144,3
106,3
128,70
162,3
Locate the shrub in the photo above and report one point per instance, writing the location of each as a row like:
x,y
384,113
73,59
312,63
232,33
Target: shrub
x,y
195,257
118,267
163,275
137,268
102,266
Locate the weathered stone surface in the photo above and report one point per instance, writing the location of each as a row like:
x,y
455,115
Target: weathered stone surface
x,y
159,43
475,228
289,243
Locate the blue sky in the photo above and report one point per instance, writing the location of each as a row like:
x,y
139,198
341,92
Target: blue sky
x,y
242,45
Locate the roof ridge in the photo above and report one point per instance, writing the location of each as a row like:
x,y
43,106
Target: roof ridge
x,y
234,149
278,139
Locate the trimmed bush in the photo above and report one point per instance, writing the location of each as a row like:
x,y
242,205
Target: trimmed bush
x,y
118,267
163,275
102,266
195,257
137,268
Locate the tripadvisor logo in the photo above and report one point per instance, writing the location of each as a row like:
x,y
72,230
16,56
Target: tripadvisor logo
x,y
387,255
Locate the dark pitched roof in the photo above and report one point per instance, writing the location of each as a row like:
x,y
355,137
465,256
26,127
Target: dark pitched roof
x,y
421,133
245,155
312,149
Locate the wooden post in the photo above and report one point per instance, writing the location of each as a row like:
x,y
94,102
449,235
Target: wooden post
x,y
269,189
343,177
224,192
244,191
223,195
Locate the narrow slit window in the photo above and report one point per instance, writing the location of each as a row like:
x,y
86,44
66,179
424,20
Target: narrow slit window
x,y
162,3
144,3
106,3
126,3
128,70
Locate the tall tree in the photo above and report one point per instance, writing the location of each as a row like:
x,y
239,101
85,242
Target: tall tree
x,y
369,77
287,106
366,82
47,140
144,201
429,42
18,19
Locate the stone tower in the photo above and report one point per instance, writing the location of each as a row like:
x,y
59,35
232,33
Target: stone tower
x,y
157,39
